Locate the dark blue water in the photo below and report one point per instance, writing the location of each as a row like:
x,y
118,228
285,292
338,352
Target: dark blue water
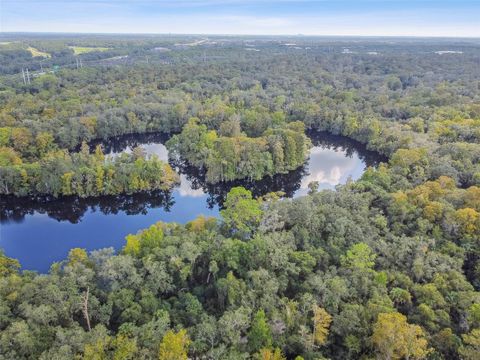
x,y
41,231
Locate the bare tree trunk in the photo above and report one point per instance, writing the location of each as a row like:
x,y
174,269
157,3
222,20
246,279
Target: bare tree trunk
x,y
85,308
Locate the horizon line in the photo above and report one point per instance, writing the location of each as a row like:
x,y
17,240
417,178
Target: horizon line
x,y
239,35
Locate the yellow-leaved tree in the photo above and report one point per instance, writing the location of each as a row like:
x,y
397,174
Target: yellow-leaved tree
x,y
76,256
394,338
270,354
174,346
471,348
321,323
468,221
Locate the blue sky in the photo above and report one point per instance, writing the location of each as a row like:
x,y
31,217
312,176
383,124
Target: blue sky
x,y
457,18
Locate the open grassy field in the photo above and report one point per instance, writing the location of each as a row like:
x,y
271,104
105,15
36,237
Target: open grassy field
x,y
36,52
78,50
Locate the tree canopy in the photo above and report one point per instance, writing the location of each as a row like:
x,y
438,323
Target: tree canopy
x,y
385,267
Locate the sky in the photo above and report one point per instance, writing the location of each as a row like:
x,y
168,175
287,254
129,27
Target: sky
x,y
451,18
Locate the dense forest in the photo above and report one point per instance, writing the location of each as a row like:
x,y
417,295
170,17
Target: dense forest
x,y
389,101
232,155
385,267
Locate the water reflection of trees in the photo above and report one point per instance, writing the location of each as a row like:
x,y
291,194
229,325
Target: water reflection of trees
x,y
319,138
350,147
121,143
72,208
287,183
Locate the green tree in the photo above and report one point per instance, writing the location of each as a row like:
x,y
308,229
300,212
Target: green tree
x,y
242,213
124,348
359,257
259,335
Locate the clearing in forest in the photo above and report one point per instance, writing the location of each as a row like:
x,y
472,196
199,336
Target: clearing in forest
x,y
78,50
36,52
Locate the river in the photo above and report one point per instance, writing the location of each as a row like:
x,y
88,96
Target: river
x,y
40,232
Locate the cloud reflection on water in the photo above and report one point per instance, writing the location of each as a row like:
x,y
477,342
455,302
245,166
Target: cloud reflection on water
x,y
329,168
185,188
